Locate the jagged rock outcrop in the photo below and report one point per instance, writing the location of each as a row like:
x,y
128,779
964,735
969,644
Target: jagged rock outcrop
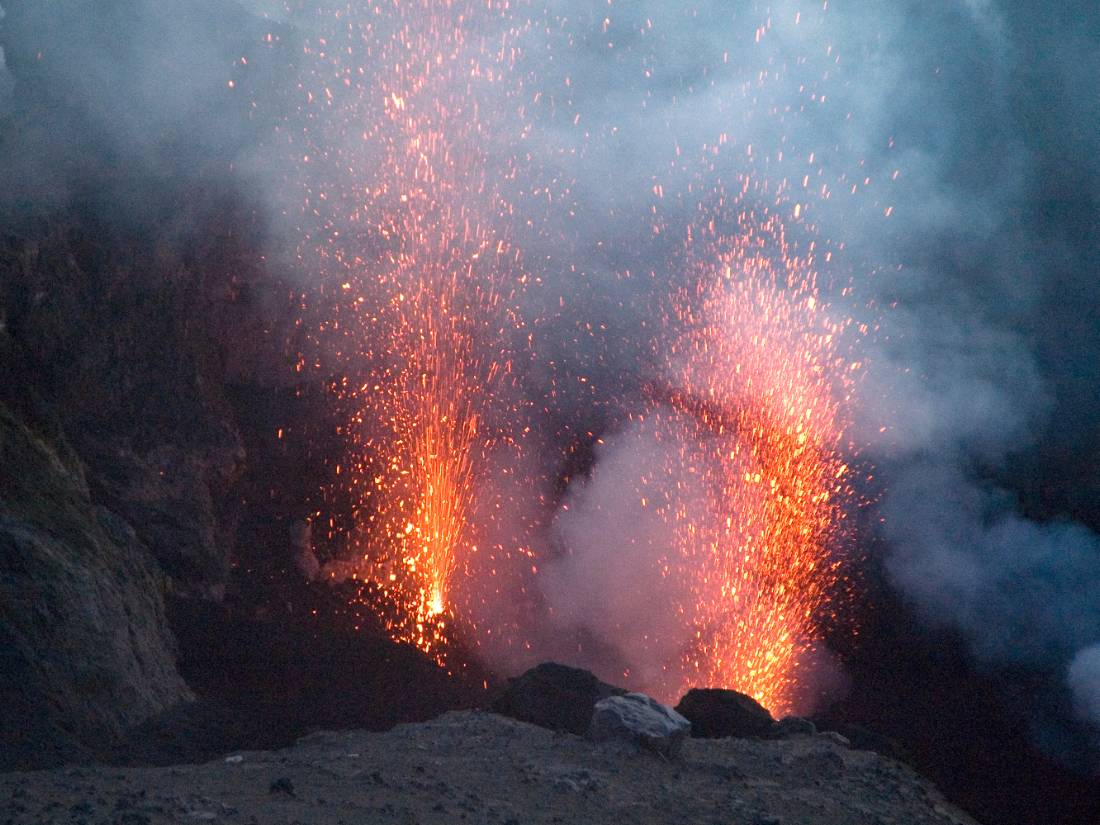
x,y
168,494
84,649
554,696
124,340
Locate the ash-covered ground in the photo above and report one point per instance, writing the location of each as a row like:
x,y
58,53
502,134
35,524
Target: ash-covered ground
x,y
483,768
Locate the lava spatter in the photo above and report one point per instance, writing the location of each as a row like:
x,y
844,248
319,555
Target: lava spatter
x,y
757,382
412,226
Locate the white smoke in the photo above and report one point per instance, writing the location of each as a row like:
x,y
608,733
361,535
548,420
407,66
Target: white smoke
x,y
7,83
609,581
1022,592
989,19
912,119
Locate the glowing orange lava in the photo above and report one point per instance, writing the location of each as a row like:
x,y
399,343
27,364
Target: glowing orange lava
x,y
412,215
757,374
425,298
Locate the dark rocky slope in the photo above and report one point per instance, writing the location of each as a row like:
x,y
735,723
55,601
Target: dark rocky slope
x,y
482,768
85,653
124,342
154,372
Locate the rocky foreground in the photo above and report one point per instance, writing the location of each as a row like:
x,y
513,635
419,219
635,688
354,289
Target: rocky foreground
x,y
483,768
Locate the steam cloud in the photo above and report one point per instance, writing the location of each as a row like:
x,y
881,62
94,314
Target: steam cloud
x,y
609,581
969,372
976,280
983,370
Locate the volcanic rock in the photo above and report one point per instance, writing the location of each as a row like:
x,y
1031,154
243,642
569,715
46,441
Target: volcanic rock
x,y
639,719
554,696
84,652
793,726
716,713
168,495
125,342
482,768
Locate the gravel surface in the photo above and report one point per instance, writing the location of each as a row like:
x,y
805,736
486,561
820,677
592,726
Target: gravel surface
x,y
482,768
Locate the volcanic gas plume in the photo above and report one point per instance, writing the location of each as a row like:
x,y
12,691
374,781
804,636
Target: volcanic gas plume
x,y
632,452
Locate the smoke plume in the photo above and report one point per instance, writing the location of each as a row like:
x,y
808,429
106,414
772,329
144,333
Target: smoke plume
x,y
960,168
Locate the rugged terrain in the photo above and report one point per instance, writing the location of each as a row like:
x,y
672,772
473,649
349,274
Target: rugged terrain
x,y
479,767
85,653
159,451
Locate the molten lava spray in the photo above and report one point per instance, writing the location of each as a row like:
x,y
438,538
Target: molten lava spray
x,y
756,373
748,391
425,300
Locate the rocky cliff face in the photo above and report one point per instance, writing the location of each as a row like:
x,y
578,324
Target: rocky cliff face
x,y
149,375
85,653
120,456
127,309
120,337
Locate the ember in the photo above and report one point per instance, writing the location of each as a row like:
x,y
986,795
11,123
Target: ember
x,y
424,291
760,383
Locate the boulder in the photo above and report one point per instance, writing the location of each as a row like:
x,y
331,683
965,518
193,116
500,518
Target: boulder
x,y
640,720
84,650
716,713
790,726
554,696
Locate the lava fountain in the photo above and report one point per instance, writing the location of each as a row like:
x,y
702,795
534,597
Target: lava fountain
x,y
752,389
424,288
757,381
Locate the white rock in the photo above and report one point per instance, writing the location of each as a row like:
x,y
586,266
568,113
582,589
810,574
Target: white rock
x,y
640,720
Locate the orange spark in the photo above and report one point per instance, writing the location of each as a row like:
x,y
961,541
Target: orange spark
x,y
426,309
754,375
